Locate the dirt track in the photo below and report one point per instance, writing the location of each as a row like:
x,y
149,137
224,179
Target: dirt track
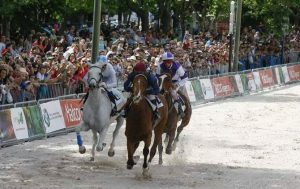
x,y
246,142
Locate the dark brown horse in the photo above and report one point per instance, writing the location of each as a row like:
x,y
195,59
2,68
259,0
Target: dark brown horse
x,y
166,86
139,124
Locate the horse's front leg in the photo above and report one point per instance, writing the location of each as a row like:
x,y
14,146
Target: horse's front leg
x,y
179,130
131,148
81,127
102,135
147,142
111,151
95,139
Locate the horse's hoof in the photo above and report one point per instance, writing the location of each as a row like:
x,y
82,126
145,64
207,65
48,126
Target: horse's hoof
x,y
99,149
92,159
111,153
169,151
129,166
82,149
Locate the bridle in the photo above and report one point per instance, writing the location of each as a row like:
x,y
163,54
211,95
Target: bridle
x,y
166,92
139,96
101,76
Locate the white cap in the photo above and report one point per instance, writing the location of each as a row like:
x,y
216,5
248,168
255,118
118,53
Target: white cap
x,y
131,58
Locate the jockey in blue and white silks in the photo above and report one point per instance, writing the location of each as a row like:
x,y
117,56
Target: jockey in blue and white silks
x,y
109,82
152,89
178,74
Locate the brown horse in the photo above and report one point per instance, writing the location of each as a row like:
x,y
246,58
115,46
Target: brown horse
x,y
139,124
166,86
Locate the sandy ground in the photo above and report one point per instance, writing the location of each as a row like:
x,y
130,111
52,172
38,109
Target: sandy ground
x,y
245,142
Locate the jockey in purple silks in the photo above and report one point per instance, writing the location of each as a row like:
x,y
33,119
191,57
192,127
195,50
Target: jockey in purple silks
x,y
179,77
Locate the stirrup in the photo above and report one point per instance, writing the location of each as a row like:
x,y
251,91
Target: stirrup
x,y
156,115
113,112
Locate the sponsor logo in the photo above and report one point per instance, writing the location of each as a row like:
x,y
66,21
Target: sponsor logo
x,y
46,117
73,113
19,119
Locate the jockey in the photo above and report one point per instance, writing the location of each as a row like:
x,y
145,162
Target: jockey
x,y
179,77
153,89
109,83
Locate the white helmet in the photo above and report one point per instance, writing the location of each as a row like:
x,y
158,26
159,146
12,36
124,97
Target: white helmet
x,y
167,56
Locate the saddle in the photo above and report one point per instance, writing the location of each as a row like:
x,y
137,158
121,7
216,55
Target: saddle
x,y
155,103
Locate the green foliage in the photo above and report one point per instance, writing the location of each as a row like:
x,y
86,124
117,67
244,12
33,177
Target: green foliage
x,y
269,12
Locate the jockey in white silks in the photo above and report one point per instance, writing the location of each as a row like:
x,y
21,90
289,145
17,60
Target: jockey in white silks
x,y
178,74
109,83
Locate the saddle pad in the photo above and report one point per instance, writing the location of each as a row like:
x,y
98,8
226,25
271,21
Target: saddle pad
x,y
182,103
153,106
120,99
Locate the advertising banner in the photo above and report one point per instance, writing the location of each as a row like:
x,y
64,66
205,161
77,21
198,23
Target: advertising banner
x,y
71,112
239,83
52,116
197,89
266,77
6,127
207,89
251,83
294,72
190,91
278,78
257,81
223,86
34,120
19,123
285,74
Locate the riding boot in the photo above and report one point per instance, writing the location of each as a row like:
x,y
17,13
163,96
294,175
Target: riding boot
x,y
124,113
180,110
114,111
156,115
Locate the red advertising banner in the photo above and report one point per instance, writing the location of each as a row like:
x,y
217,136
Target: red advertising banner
x,y
294,72
71,112
223,86
266,78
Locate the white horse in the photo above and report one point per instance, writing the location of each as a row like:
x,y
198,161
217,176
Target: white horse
x,y
96,113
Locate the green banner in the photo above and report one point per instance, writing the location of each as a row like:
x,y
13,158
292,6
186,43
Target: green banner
x,y
34,120
197,89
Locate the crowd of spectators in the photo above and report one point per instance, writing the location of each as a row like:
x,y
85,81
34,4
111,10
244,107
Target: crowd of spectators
x,y
32,66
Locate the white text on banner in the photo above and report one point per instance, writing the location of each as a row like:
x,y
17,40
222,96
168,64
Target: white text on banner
x,y
19,123
52,116
207,89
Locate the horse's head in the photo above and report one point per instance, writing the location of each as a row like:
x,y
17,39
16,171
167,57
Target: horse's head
x,y
165,82
140,83
94,75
